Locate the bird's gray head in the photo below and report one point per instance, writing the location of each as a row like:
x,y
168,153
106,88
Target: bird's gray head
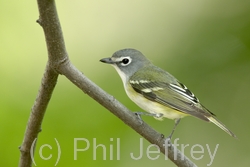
x,y
127,62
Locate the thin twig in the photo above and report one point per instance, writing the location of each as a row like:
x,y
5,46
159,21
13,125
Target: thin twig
x,y
36,117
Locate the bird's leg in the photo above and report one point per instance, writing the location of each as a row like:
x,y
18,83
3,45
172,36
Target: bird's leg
x,y
177,121
158,115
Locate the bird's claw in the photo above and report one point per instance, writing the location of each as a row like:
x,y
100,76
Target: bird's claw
x,y
138,114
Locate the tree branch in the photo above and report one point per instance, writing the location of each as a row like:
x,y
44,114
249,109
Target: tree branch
x,y
36,117
59,63
57,53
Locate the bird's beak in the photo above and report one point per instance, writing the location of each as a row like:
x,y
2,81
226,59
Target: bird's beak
x,y
107,60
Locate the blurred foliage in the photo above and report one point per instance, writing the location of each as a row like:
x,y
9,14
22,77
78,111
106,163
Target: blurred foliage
x,y
205,44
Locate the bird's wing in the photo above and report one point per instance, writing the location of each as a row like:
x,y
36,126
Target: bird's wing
x,y
163,88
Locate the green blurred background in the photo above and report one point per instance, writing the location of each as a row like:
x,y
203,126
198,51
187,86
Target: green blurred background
x,y
205,44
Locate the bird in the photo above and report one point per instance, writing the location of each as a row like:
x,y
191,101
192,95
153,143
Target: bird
x,y
156,91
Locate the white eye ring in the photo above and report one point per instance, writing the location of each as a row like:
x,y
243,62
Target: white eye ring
x,y
125,61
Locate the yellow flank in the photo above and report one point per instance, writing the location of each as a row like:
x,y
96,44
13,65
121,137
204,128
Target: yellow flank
x,y
151,106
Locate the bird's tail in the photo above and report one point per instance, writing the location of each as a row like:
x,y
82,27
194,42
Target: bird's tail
x,y
221,125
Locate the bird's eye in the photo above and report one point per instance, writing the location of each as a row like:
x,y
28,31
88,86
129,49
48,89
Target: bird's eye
x,y
126,61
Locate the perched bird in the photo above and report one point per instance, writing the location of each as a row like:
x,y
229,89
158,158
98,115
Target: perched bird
x,y
156,91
